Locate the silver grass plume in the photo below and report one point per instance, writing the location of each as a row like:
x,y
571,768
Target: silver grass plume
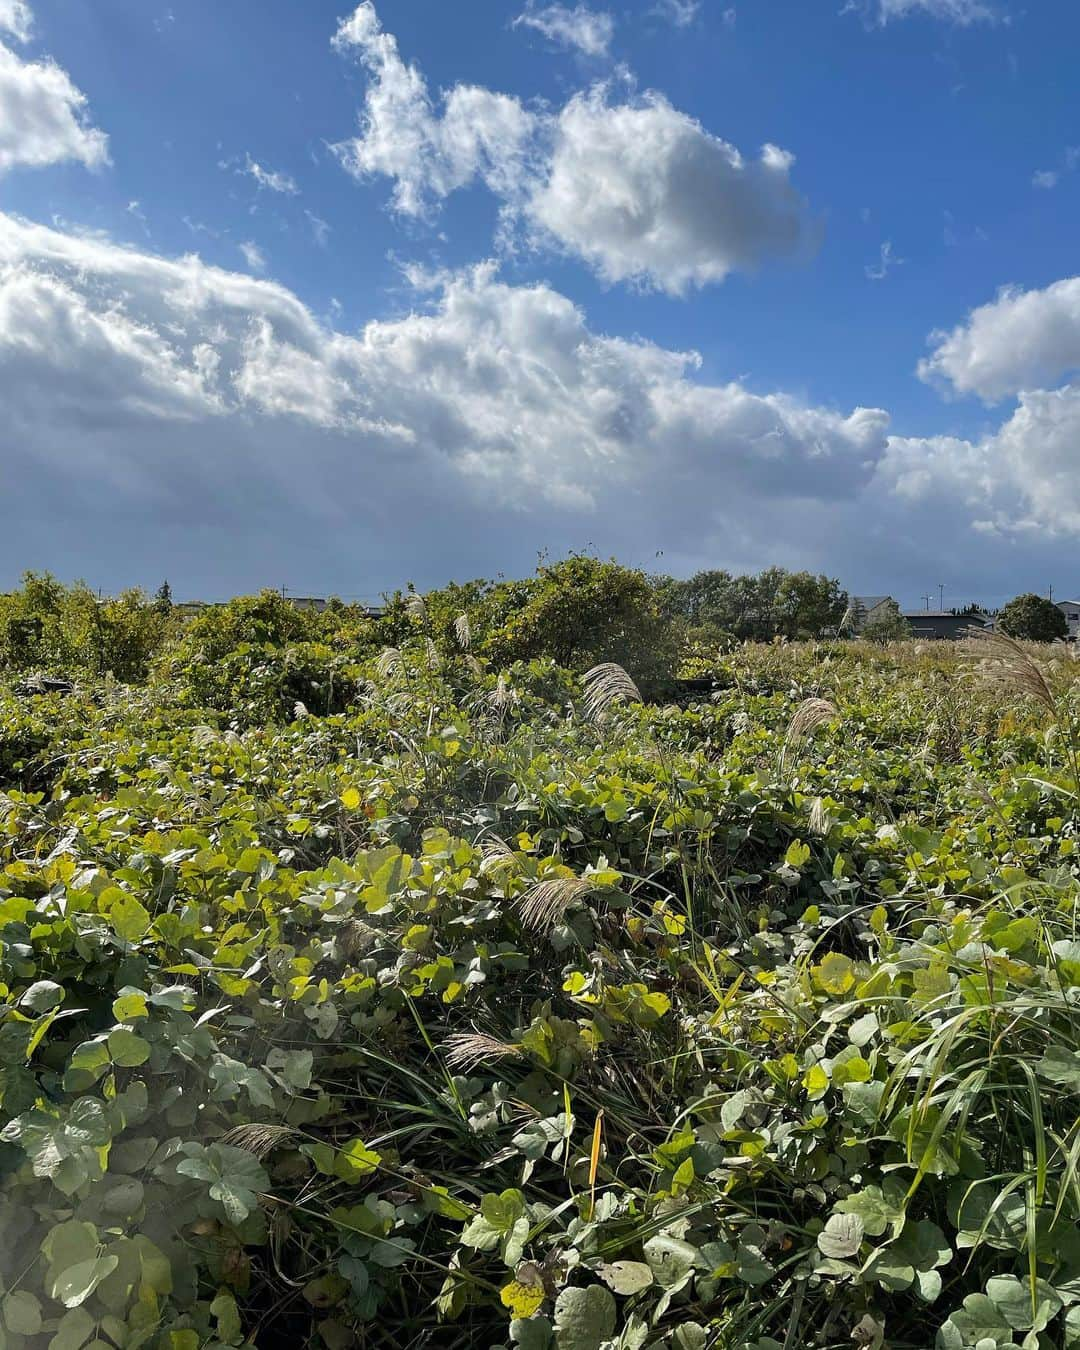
x,y
466,1050
389,662
463,632
544,904
606,685
415,607
261,1140
807,717
1009,665
820,820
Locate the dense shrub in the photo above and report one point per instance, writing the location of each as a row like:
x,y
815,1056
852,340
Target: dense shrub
x,y
1033,618
460,1019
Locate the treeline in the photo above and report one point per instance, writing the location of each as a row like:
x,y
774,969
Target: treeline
x,y
575,612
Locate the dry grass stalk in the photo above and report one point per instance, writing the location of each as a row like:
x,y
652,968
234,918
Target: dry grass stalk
x,y
807,717
260,1140
606,685
1009,665
467,1049
498,855
389,662
544,904
820,820
463,632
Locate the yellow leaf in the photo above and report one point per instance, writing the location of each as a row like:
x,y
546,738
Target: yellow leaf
x,y
836,974
522,1299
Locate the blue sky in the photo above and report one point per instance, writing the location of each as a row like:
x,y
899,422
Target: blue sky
x,y
292,293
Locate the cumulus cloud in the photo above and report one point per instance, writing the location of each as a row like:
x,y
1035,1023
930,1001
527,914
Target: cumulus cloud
x,y
496,396
1019,341
43,116
639,190
963,12
644,193
588,31
16,19
208,415
428,153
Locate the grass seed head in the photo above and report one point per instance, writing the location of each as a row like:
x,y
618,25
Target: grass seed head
x,y
606,685
544,904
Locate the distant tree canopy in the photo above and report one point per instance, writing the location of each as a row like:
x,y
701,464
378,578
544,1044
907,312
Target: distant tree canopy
x,y
887,624
1033,618
46,625
775,603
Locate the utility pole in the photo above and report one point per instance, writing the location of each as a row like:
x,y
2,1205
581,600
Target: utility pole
x,y
941,596
1051,593
926,603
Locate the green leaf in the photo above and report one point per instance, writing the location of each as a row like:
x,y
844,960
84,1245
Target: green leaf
x,y
355,1160
42,997
584,1318
127,915
127,1049
73,1331
130,1006
236,1178
877,1208
22,1313
1060,1065
626,1277
671,1260
74,1284
842,1236
227,1316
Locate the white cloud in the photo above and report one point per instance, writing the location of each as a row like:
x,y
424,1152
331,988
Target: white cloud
x,y
501,393
1049,178
208,415
963,12
16,19
589,31
269,178
880,270
320,228
639,190
1020,341
253,255
43,117
682,13
478,134
1018,480
644,193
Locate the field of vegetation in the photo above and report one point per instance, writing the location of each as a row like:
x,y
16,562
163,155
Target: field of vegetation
x,y
398,986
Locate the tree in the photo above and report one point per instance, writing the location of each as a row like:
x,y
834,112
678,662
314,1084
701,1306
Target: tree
x,y
715,604
581,611
1033,618
163,601
887,625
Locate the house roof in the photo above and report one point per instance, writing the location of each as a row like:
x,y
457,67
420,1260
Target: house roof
x,y
870,601
978,617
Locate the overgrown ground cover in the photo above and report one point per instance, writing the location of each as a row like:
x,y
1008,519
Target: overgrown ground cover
x,y
486,1014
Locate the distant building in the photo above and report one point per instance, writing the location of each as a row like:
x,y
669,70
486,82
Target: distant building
x,y
867,607
942,625
313,602
1071,610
